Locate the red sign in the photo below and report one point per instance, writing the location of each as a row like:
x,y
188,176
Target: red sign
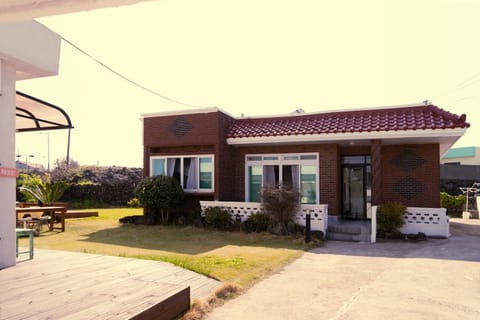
x,y
8,172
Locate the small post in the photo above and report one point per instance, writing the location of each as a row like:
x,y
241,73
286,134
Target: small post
x,y
308,233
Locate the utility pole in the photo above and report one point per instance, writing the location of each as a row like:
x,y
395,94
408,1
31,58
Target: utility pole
x,y
26,160
48,149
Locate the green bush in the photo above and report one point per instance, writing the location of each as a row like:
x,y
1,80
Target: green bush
x,y
160,194
134,203
218,218
453,204
281,203
257,222
390,217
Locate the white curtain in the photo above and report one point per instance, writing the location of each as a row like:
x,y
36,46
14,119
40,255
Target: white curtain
x,y
192,175
295,176
171,166
269,175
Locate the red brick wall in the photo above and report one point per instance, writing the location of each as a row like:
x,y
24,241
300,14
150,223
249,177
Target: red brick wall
x,y
355,150
411,175
191,134
159,132
225,166
329,171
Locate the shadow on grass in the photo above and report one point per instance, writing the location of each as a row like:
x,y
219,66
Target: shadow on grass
x,y
188,240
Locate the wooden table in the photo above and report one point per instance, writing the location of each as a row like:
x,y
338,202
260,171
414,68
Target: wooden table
x,y
52,211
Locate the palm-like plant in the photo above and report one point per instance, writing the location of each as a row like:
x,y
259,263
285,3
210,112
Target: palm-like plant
x,y
46,191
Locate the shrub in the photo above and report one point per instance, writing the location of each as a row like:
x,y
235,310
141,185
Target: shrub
x,y
134,203
281,203
453,204
390,217
257,222
218,218
160,194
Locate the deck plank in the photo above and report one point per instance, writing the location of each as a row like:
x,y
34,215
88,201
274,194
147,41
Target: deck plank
x,y
69,285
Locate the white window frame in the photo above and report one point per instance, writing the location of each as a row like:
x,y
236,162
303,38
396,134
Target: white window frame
x,y
182,157
280,162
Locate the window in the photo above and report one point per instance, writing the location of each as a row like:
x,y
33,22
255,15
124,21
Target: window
x,y
158,167
194,173
308,180
206,173
255,178
299,170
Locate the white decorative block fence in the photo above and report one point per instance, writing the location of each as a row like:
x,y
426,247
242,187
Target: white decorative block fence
x,y
433,222
318,212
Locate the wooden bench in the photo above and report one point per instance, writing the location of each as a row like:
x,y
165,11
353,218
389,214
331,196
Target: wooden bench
x,y
20,232
72,214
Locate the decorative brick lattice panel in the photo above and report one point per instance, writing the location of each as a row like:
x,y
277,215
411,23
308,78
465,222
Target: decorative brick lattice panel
x,y
408,160
180,127
408,187
318,212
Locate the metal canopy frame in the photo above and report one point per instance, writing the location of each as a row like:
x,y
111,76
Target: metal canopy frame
x,y
34,114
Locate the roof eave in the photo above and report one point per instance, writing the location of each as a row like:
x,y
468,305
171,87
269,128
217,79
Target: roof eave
x,y
350,136
184,112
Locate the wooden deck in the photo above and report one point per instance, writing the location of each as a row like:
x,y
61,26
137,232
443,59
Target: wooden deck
x,y
69,285
73,214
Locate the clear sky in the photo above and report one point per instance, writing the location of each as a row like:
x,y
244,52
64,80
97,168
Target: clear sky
x,y
255,57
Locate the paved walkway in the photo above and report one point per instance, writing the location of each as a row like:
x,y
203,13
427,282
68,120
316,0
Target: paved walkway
x,y
434,279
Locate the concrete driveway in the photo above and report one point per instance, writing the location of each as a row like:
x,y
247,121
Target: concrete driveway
x,y
434,279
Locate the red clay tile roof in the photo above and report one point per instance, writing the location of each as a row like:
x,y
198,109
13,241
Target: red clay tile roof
x,y
392,119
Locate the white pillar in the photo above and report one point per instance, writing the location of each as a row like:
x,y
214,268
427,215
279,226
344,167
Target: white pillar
x,y
7,159
373,234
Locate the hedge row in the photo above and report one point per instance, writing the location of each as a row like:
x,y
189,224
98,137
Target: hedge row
x,y
99,195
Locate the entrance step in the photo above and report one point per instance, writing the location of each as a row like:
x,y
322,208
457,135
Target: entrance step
x,y
347,229
358,231
343,236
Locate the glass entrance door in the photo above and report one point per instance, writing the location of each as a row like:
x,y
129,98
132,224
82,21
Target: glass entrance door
x,y
355,187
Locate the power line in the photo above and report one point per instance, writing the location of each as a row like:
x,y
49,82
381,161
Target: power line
x,y
127,79
472,80
462,85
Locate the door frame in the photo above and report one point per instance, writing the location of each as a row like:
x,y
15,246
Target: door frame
x,y
366,179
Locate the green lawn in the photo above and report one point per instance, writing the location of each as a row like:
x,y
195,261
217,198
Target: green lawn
x,y
228,256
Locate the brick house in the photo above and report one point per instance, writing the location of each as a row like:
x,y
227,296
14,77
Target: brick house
x,y
349,160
